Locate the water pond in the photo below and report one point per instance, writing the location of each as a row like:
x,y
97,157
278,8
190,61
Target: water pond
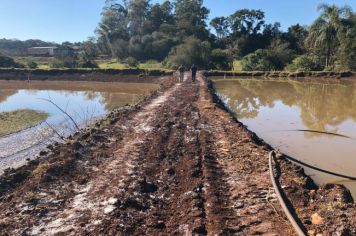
x,y
312,121
83,101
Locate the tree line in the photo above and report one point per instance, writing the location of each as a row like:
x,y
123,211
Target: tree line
x,y
177,33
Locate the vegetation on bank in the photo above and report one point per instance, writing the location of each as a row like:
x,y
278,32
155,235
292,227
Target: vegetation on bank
x,y
15,121
142,34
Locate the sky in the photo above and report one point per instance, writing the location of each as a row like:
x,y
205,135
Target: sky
x,y
76,20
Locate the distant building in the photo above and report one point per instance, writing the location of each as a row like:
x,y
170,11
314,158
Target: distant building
x,y
42,51
64,51
60,51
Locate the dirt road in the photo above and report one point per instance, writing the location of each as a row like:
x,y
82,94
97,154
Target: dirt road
x,y
176,164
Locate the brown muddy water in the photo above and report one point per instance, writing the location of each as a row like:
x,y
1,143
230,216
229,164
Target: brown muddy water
x,y
276,109
84,102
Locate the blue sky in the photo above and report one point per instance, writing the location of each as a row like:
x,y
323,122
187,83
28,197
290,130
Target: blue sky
x,y
75,20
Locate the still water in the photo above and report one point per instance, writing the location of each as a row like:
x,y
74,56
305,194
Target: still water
x,y
84,101
276,110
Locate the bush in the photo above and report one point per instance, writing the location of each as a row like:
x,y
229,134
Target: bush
x,y
131,61
257,61
192,51
88,64
68,62
304,63
221,59
32,65
6,62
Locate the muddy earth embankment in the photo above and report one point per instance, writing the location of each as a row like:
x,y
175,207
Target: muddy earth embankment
x,y
175,164
103,75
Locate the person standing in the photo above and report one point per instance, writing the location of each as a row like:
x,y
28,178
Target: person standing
x,y
194,69
181,71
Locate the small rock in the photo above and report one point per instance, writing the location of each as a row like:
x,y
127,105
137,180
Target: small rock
x,y
317,219
311,232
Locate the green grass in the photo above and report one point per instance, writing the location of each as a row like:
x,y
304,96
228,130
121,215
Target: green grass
x,y
237,65
15,121
113,64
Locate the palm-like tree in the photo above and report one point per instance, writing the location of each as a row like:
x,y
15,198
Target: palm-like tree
x,y
324,31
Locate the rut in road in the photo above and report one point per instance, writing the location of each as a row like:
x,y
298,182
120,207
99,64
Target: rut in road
x,y
182,166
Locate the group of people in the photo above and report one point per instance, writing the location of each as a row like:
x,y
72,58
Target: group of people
x,y
193,71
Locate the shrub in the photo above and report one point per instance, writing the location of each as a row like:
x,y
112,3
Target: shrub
x,y
257,61
192,51
6,61
67,62
304,63
88,64
220,59
131,61
32,65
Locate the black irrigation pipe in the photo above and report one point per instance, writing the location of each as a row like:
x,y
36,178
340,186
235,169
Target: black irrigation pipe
x,y
319,169
293,220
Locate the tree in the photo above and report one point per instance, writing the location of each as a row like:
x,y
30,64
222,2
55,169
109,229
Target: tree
x,y
246,36
221,26
161,14
296,36
220,59
138,14
346,55
304,63
6,61
192,51
322,39
257,61
191,18
246,21
113,25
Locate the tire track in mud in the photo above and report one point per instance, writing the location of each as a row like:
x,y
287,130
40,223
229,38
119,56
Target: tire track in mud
x,y
178,169
98,198
239,201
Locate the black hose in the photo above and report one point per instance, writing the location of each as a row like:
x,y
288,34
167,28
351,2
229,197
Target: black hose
x,y
319,169
285,208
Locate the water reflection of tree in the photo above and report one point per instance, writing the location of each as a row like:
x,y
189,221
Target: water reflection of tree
x,y
322,105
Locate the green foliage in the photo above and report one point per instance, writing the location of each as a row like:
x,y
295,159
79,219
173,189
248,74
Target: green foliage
x,y
274,58
131,61
6,61
237,65
304,63
192,51
323,40
88,64
32,64
257,61
190,18
220,59
66,62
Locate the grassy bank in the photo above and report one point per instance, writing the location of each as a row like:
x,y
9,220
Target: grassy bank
x,y
15,121
103,75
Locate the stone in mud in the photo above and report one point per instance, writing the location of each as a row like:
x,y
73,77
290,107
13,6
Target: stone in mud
x,y
135,204
317,219
43,153
159,225
171,172
147,187
200,230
